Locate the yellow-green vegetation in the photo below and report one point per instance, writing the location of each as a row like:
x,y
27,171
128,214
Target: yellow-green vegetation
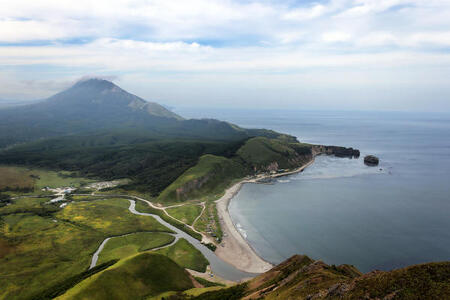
x,y
145,208
210,176
186,213
185,255
144,275
38,250
28,205
209,221
22,179
198,291
124,246
109,216
261,152
12,178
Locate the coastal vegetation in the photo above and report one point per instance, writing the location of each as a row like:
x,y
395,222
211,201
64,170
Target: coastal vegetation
x,y
145,208
185,255
185,213
180,166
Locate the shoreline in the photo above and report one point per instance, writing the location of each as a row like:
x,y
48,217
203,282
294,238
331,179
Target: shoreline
x,y
234,248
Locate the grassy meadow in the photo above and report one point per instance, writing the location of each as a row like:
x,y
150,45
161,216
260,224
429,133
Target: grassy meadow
x,y
39,249
145,208
125,246
186,213
185,255
22,179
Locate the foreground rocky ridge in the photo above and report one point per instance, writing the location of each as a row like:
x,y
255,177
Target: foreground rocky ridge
x,y
301,277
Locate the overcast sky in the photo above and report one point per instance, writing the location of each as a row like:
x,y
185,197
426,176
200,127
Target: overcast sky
x,y
336,54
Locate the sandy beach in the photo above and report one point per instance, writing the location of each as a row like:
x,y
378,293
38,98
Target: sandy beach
x,y
234,249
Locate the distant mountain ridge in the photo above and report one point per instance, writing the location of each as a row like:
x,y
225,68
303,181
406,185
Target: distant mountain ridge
x,y
97,105
102,92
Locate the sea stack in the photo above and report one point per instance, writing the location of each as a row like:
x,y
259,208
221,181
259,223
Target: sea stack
x,y
371,160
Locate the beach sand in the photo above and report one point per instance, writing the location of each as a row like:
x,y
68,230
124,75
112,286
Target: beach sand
x,y
234,249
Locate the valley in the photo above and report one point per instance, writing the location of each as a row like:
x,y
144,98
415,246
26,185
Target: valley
x,y
126,199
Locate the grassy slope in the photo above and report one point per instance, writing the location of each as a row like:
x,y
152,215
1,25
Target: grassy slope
x,y
109,216
140,276
186,213
37,252
124,246
260,152
211,175
26,179
185,255
302,278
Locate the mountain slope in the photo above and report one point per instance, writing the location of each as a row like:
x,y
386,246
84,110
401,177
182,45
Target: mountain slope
x,y
88,106
300,277
98,106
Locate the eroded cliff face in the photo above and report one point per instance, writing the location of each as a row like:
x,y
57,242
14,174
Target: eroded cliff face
x,y
183,191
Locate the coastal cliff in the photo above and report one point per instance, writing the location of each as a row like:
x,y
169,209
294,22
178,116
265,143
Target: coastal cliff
x,y
336,151
259,155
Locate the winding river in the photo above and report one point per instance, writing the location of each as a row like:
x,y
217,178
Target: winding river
x,y
218,266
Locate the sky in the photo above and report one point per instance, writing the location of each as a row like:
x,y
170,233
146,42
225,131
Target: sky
x,y
333,54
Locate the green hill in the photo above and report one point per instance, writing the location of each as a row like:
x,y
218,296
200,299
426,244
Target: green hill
x,y
212,174
140,276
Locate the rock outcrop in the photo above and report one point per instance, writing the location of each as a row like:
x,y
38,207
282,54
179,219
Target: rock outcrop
x,y
336,151
371,160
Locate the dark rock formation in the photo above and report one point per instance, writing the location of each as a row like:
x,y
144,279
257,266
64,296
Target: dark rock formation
x,y
336,150
371,160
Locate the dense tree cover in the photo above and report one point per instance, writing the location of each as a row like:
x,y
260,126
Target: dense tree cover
x,y
4,199
152,164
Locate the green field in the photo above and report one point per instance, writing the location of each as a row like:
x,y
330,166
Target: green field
x,y
28,205
22,179
186,213
140,276
186,255
209,221
124,246
40,249
145,208
108,216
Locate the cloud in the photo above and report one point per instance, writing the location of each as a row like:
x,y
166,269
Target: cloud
x,y
224,42
336,36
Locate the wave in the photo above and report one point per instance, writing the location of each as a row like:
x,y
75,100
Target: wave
x,y
241,230
283,180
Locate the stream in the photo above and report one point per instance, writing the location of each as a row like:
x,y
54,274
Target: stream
x,y
218,266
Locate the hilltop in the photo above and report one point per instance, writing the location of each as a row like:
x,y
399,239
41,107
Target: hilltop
x,y
301,277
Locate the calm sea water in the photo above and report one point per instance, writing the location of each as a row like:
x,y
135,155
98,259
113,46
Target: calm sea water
x,y
341,211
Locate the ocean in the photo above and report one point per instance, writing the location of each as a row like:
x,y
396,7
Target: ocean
x,y
341,211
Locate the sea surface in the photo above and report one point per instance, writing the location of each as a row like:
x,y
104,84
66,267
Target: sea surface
x,y
341,211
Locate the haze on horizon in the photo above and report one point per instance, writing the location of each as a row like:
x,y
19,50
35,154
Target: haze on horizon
x,y
334,54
